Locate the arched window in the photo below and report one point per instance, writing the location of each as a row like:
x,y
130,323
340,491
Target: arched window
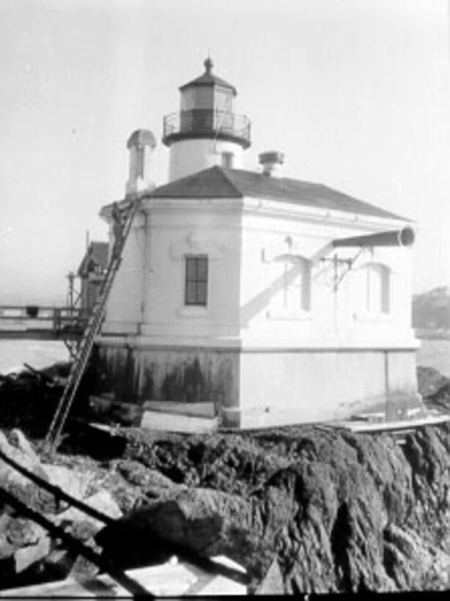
x,y
293,293
372,289
297,286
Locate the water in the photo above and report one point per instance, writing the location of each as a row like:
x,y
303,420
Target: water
x,y
435,353
37,353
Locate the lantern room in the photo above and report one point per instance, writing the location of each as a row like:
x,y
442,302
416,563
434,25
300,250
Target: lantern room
x,y
206,131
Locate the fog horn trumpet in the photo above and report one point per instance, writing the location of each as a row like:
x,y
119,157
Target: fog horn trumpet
x,y
402,237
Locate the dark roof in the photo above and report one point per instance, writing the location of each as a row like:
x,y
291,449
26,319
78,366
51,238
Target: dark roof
x,y
96,256
208,79
219,182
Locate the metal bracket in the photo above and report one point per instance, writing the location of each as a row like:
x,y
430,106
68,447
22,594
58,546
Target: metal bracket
x,y
337,264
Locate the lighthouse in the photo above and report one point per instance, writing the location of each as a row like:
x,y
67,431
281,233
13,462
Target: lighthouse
x,y
206,131
247,298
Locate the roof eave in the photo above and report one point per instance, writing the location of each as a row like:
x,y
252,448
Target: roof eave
x,y
252,202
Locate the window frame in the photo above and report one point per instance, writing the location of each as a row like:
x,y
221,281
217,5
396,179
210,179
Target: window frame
x,y
196,280
378,293
373,289
227,159
292,299
296,291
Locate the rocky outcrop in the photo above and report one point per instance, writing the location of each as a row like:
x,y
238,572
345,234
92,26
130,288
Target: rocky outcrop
x,y
307,508
336,511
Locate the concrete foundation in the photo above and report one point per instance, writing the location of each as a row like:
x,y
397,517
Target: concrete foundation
x,y
139,374
262,387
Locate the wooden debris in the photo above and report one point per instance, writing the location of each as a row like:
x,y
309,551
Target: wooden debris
x,y
377,427
171,579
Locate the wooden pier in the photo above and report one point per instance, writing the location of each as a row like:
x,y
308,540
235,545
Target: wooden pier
x,y
42,323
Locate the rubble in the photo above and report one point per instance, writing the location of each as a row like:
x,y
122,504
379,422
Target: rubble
x,y
27,553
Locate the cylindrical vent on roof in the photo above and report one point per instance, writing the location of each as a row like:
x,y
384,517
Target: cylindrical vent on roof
x,y
140,144
271,160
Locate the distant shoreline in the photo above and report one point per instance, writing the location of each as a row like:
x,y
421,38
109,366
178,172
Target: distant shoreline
x,y
433,334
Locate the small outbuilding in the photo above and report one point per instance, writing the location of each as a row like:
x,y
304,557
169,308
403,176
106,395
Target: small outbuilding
x,y
91,273
256,298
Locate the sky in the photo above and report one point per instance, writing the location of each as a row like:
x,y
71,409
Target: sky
x,y
356,93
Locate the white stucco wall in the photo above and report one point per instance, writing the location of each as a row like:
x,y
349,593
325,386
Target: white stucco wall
x,y
190,156
248,251
150,286
279,237
324,361
124,306
311,386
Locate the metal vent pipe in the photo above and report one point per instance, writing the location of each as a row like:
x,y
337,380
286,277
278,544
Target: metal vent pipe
x,y
403,237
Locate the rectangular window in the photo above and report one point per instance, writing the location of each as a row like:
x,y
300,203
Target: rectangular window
x,y
227,160
196,283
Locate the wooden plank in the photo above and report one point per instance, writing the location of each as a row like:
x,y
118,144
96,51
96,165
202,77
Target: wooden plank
x,y
393,426
168,422
192,409
171,579
382,417
12,327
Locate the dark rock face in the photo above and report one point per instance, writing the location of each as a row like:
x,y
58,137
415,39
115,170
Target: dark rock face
x,y
319,510
434,388
337,511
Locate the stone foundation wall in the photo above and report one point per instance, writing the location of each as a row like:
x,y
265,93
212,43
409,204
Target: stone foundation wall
x,y
279,388
139,374
261,388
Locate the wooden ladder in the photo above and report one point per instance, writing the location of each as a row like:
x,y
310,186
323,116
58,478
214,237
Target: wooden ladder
x,y
86,345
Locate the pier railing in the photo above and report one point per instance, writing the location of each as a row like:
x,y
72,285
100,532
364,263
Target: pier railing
x,y
41,321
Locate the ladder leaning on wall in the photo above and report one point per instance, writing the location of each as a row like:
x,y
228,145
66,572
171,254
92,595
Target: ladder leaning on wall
x,y
85,347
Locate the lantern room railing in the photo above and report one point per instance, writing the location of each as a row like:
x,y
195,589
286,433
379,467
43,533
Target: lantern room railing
x,y
198,123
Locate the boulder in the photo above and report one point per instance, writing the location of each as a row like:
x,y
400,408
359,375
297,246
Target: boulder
x,y
22,454
101,501
23,541
272,582
193,523
26,556
6,548
18,440
75,484
152,482
21,532
430,381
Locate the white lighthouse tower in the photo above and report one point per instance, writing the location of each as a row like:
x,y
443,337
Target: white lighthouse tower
x,y
206,131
